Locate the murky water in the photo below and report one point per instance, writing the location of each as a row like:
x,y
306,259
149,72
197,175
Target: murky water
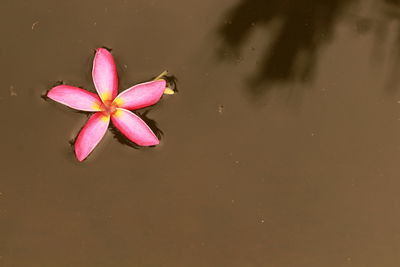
x,y
281,148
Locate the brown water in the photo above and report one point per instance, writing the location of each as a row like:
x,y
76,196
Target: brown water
x,y
282,147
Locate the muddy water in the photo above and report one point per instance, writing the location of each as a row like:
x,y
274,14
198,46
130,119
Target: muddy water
x,y
281,148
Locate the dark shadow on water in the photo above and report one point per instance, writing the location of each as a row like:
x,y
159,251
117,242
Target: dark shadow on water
x,y
303,27
386,28
172,82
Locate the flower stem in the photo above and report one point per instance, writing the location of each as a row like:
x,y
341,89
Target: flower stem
x,y
164,73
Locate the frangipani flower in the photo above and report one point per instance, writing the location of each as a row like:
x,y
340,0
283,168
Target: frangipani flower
x,y
108,105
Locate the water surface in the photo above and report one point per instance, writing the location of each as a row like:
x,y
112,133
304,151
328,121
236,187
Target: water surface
x,y
281,148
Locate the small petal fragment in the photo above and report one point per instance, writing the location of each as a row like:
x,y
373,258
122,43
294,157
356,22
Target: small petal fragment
x,y
134,128
104,74
91,134
75,98
141,95
169,91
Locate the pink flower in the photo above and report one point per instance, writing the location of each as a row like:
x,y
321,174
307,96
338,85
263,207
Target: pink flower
x,y
108,105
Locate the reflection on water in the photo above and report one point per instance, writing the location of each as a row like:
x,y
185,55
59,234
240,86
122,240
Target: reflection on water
x,y
385,18
303,27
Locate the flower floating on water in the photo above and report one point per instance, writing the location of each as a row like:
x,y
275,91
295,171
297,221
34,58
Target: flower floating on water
x,y
108,105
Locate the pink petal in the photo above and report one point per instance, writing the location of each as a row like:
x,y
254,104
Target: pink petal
x,y
91,134
134,128
75,97
141,95
104,74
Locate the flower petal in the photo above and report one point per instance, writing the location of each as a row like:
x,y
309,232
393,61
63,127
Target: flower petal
x,y
134,128
104,75
91,134
75,97
141,95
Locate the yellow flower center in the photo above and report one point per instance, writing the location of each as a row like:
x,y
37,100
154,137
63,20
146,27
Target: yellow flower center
x,y
109,108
